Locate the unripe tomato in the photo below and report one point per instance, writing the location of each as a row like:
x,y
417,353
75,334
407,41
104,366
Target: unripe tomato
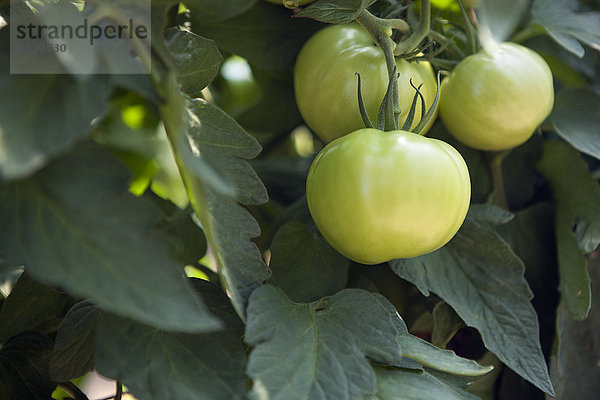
x,y
494,101
326,86
377,196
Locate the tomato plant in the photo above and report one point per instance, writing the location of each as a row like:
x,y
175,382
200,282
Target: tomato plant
x,y
326,85
377,196
170,221
494,100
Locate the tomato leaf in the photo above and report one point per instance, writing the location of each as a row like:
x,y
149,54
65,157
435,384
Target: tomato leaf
x,y
158,365
501,17
29,305
196,59
441,360
574,365
47,122
74,347
265,35
305,351
414,385
576,119
561,21
215,140
577,196
304,265
74,224
478,274
445,324
334,11
24,368
218,10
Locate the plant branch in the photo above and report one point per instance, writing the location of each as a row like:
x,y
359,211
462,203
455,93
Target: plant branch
x,y
411,42
498,195
381,32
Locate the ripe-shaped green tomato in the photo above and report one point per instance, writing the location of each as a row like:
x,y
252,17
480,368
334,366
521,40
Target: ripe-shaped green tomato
x,y
494,101
327,89
377,196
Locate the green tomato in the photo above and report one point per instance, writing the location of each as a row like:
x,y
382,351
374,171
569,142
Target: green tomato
x,y
326,86
377,196
494,101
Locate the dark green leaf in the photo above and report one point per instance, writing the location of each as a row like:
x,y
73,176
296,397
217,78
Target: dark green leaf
x,y
24,368
186,235
576,118
489,214
334,11
304,265
51,113
501,17
479,275
214,139
445,324
74,347
438,359
196,59
217,10
74,224
574,366
275,110
266,35
403,384
577,196
566,26
319,350
158,365
29,305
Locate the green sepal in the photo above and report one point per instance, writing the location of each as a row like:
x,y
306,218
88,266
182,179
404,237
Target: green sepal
x,y
361,106
431,112
413,107
387,119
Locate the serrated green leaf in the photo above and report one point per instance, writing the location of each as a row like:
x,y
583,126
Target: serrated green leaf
x,y
577,196
264,35
74,347
334,11
196,59
489,214
55,113
29,305
74,224
438,359
576,119
403,384
574,365
479,275
501,17
566,26
319,350
24,368
304,265
217,141
187,237
158,365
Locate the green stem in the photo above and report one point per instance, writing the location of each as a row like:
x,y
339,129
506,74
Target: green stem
x,y
73,390
411,42
119,393
381,32
447,43
524,34
498,195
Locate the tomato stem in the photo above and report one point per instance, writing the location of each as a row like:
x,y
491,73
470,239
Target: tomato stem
x,y
410,43
381,32
498,195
